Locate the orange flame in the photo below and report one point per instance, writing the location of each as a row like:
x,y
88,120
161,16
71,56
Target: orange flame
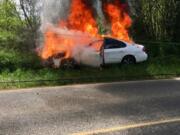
x,y
55,43
120,20
81,18
81,28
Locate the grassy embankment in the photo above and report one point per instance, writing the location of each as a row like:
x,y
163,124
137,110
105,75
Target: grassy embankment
x,y
20,70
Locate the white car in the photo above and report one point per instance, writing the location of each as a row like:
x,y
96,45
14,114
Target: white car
x,y
116,51
111,51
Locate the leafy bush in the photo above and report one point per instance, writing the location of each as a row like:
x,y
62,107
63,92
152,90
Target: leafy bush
x,y
12,60
159,49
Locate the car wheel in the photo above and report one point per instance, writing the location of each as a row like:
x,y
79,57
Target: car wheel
x,y
68,64
128,60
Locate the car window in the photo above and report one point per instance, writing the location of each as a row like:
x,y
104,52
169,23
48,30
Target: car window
x,y
113,44
96,45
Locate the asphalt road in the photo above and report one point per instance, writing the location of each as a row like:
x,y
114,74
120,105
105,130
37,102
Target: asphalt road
x,y
125,108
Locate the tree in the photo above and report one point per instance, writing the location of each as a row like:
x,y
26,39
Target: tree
x,y
19,24
30,10
157,17
177,26
10,23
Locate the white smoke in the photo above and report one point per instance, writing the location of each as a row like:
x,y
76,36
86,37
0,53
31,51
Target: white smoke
x,y
52,11
98,7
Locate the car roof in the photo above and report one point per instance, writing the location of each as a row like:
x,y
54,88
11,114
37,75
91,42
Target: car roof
x,y
111,38
107,38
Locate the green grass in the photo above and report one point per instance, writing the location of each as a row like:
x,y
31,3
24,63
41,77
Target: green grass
x,y
22,70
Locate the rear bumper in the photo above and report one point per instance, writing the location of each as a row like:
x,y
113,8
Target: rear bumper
x,y
141,57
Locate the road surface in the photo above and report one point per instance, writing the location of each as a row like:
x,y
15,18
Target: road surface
x,y
124,108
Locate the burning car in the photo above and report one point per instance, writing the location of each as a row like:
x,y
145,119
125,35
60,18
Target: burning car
x,y
74,37
110,51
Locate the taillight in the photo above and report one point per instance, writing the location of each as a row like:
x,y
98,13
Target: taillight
x,y
144,50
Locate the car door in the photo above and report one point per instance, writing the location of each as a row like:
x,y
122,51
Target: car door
x,y
114,51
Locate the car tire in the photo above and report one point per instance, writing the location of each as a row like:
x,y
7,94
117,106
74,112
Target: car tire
x,y
69,64
128,60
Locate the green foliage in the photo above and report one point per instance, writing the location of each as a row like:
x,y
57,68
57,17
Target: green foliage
x,y
12,60
157,18
10,25
16,31
160,67
162,49
9,17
